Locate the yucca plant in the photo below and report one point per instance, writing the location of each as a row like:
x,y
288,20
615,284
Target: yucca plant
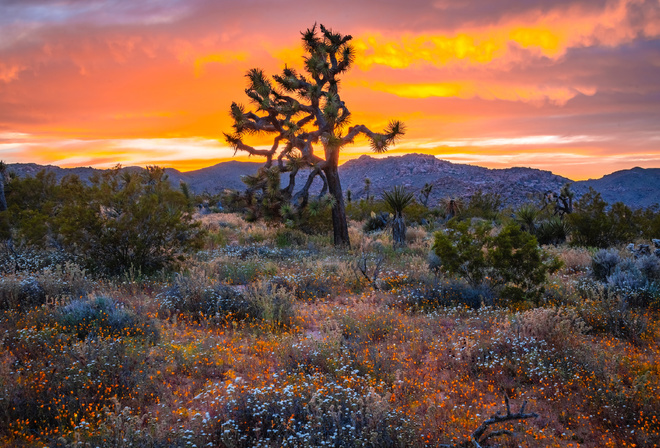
x,y
526,217
397,200
552,231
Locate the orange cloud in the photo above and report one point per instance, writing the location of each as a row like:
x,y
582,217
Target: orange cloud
x,y
223,57
548,35
486,90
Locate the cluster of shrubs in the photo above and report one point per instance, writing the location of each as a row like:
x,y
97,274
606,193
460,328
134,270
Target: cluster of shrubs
x,y
196,297
119,219
57,284
637,279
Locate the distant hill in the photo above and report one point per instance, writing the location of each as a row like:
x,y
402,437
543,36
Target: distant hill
x,y
637,187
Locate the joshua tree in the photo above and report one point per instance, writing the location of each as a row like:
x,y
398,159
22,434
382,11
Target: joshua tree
x,y
367,188
424,194
302,111
397,199
3,201
563,202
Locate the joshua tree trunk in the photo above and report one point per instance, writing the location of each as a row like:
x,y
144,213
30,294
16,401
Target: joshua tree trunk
x,y
339,224
3,201
399,231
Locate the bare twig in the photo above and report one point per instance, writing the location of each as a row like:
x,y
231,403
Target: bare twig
x,y
479,435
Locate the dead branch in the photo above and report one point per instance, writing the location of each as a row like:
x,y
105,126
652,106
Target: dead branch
x,y
369,272
479,435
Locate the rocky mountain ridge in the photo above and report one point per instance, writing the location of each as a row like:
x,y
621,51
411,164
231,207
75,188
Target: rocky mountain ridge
x,y
637,187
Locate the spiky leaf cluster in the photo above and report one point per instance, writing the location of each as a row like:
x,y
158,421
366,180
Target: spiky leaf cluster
x,y
398,199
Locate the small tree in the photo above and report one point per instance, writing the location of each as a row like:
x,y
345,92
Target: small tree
x,y
397,200
590,223
300,112
562,203
424,194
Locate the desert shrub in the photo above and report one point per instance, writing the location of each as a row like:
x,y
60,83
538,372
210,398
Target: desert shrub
x,y
102,317
196,295
518,264
68,279
307,287
626,276
416,234
552,231
593,224
285,237
270,305
649,266
444,293
575,259
460,249
510,261
589,221
242,272
607,310
128,219
60,284
558,326
434,262
604,262
376,222
198,298
309,410
18,293
482,205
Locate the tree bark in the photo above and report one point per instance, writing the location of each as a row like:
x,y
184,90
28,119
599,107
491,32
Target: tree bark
x,y
339,222
3,201
399,231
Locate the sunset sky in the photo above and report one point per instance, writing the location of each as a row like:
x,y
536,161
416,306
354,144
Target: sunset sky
x,y
568,86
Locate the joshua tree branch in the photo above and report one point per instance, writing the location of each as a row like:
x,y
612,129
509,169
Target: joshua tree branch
x,y
303,195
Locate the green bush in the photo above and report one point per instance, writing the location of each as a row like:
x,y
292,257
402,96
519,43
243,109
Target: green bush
x,y
124,218
510,261
128,219
594,224
460,249
286,237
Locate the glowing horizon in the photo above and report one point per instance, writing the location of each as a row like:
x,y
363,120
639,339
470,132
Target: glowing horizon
x,y
572,87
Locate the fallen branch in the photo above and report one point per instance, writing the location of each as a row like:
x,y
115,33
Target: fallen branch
x,y
479,435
